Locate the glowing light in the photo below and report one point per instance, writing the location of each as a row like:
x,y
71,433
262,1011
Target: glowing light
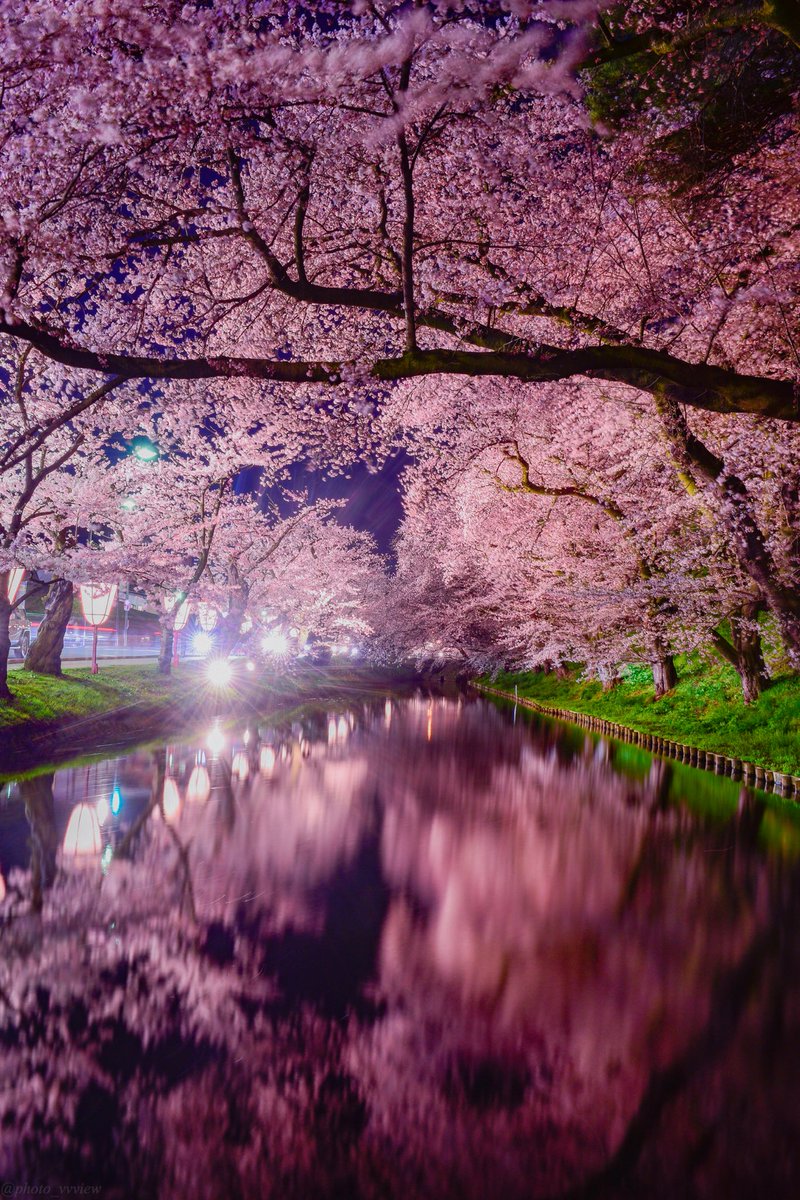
x,y
275,643
207,615
251,666
430,721
266,760
97,600
216,740
83,838
331,731
246,737
198,788
15,577
116,802
355,652
240,767
144,450
219,672
171,802
387,713
105,858
343,728
103,810
202,644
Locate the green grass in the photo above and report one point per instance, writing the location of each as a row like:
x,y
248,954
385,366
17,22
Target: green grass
x,y
705,709
78,693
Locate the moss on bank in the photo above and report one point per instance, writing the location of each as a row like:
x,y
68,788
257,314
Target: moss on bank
x,y
705,709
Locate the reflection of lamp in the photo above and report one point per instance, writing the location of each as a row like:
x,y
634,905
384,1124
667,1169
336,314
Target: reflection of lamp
x,y
97,600
171,801
83,838
207,616
198,788
15,577
266,761
240,767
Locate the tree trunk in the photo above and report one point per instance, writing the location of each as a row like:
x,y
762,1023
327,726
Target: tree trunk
x,y
231,624
165,651
665,677
737,517
44,655
37,795
743,651
5,639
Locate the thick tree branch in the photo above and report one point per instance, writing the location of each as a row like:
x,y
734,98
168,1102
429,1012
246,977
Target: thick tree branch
x,y
700,385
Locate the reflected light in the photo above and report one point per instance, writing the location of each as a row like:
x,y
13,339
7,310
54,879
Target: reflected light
x,y
219,672
103,810
83,838
2,888
198,788
240,767
387,713
343,728
266,760
171,801
251,666
116,802
216,740
331,731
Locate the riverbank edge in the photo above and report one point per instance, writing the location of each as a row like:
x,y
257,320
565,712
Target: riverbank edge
x,y
736,768
45,743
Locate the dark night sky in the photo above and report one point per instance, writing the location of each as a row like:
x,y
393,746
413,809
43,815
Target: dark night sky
x,y
374,501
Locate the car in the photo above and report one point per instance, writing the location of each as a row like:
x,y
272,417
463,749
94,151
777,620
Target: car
x,y
20,632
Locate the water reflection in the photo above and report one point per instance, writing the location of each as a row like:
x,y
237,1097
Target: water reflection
x,y
411,947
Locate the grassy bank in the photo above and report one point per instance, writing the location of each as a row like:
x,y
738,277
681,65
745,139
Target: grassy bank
x,y
705,709
78,693
52,720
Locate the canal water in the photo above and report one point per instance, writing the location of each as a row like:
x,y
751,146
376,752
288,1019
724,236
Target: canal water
x,y
418,946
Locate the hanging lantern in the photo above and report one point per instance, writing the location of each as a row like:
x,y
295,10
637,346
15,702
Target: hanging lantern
x,y
207,616
83,838
182,616
15,577
97,600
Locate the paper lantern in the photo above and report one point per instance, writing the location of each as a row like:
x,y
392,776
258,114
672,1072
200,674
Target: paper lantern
x,y
83,838
97,600
182,616
207,616
15,577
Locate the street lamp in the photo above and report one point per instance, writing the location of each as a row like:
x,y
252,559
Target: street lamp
x,y
145,450
97,600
